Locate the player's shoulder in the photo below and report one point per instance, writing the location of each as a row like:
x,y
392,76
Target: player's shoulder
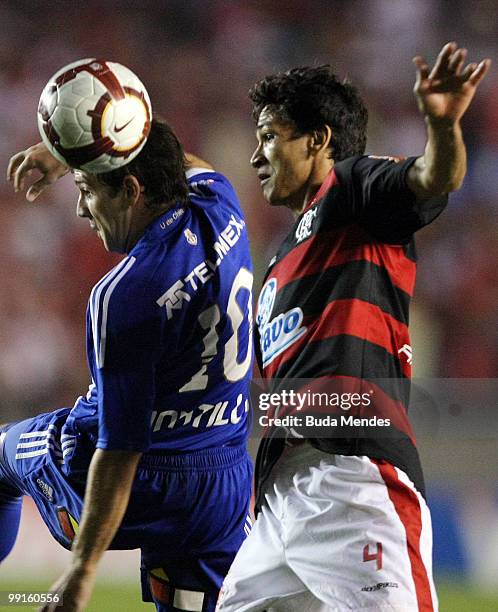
x,y
361,167
123,312
207,178
207,186
365,161
128,287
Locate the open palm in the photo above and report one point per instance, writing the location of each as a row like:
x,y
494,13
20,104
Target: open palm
x,y
445,92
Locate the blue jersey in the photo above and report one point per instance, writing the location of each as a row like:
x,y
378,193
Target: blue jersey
x,y
169,336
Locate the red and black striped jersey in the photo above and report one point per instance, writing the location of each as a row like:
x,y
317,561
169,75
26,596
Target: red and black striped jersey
x,y
335,300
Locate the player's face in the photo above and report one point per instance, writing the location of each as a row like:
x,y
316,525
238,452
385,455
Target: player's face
x,y
282,160
110,215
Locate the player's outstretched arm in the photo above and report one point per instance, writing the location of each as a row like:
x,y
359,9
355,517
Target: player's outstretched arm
x,y
37,157
443,95
108,489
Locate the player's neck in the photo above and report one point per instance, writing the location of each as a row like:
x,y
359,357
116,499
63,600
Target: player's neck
x,y
140,222
318,175
143,218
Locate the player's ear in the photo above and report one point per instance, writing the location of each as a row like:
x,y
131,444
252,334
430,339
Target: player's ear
x,y
320,139
132,189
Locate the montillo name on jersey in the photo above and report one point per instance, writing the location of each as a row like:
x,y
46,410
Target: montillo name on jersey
x,y
182,290
205,415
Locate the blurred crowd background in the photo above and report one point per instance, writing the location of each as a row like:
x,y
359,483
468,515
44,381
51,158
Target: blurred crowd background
x,y
198,59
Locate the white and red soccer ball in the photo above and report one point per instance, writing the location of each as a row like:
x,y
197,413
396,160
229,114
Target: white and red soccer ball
x,y
94,115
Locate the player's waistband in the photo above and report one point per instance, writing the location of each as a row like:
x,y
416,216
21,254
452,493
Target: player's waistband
x,y
210,458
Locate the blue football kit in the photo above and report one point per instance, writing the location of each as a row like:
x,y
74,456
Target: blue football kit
x,y
170,355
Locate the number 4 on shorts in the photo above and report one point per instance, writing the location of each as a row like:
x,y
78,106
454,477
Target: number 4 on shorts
x,y
377,556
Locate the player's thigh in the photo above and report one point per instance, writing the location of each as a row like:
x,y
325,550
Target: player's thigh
x,y
302,602
360,537
259,576
197,502
204,520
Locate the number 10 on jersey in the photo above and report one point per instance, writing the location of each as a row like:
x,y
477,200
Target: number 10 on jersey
x,y
233,369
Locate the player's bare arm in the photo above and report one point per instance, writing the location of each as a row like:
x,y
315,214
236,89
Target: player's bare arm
x,y
196,162
443,95
37,157
110,478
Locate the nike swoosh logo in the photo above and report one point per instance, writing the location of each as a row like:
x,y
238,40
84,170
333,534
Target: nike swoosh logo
x,y
116,129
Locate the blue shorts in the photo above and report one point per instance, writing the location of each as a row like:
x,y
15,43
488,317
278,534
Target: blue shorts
x,y
188,513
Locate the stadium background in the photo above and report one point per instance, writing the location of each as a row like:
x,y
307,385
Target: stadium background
x,y
198,59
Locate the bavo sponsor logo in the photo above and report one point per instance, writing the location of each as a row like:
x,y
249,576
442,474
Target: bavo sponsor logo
x,y
282,331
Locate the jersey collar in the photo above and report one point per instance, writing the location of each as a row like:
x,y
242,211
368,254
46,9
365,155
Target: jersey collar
x,y
166,223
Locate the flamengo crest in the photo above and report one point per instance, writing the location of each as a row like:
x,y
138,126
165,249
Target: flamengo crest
x,y
304,229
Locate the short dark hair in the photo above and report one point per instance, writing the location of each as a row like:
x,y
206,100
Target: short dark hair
x,y
159,167
312,97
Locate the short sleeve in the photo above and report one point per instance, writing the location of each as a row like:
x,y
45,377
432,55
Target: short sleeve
x,y
129,344
381,200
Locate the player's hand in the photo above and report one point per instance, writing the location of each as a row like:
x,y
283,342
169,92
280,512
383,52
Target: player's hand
x,y
37,157
445,92
74,588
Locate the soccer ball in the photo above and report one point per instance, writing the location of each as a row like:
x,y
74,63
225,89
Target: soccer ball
x,y
94,115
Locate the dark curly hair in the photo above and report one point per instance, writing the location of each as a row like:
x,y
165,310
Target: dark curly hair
x,y
159,167
312,97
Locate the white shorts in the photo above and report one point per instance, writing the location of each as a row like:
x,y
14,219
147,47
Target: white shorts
x,y
335,533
